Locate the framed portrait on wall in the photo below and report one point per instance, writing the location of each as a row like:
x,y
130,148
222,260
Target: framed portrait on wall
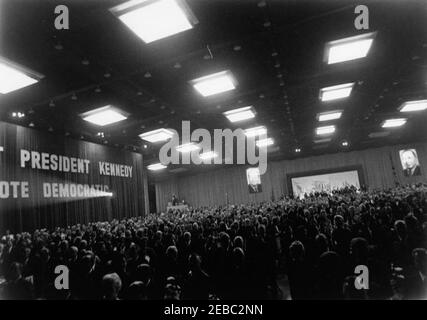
x,y
410,163
254,180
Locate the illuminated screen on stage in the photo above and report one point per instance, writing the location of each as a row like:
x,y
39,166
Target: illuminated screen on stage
x,y
324,182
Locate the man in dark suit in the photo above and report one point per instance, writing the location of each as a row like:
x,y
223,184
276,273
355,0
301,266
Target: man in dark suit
x,y
16,288
410,163
416,283
198,283
254,181
255,188
175,201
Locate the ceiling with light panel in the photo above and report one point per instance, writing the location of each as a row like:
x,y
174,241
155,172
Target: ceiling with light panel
x,y
276,53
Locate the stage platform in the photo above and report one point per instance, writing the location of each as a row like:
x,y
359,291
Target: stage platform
x,y
181,207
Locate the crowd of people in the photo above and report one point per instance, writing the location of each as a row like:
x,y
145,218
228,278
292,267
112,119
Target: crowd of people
x,y
233,251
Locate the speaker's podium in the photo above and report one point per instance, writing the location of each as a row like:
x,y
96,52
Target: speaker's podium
x,y
180,207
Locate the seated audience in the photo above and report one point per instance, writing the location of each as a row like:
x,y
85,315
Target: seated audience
x,y
234,251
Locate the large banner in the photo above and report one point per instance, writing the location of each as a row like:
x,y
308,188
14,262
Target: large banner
x,y
47,181
324,182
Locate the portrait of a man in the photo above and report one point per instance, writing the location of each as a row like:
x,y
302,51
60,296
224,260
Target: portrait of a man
x,y
254,180
410,163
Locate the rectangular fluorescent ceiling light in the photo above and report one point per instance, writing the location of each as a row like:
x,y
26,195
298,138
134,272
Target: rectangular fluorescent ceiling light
x,y
336,92
320,146
327,116
412,106
152,20
14,77
104,116
157,135
325,130
187,147
256,131
240,114
265,142
214,83
208,155
178,170
322,140
392,123
379,134
156,166
349,48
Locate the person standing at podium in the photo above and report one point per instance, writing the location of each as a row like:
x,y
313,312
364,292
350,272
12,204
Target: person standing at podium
x,y
174,200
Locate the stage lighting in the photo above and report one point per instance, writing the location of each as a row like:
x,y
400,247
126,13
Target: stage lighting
x,y
18,114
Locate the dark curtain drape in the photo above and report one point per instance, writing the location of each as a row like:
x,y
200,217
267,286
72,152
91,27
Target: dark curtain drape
x,y
224,185
39,212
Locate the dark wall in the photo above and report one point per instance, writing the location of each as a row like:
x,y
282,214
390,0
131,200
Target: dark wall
x,y
38,211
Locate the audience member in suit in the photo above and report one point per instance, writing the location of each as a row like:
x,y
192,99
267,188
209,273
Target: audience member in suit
x,y
341,237
111,286
145,286
16,287
197,284
329,277
299,273
175,200
416,282
239,246
87,284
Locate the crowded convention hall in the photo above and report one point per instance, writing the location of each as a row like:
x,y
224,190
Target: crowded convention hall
x,y
213,150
